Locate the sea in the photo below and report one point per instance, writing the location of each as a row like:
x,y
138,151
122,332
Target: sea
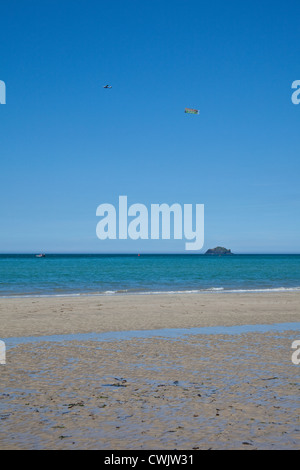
x,y
95,274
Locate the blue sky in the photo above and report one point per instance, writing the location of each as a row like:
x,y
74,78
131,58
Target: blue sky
x,y
68,145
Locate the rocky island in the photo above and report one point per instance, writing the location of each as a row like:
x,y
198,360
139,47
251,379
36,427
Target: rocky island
x,y
219,250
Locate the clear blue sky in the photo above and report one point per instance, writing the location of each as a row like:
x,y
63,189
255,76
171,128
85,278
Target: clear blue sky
x,y
67,145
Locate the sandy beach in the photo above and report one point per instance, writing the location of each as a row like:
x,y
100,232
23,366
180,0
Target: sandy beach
x,y
190,391
35,316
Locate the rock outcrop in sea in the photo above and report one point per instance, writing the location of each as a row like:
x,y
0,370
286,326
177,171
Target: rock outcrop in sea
x,y
219,250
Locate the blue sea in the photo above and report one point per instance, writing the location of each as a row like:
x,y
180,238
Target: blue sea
x,y
59,275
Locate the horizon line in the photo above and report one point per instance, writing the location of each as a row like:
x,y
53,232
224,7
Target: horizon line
x,y
144,253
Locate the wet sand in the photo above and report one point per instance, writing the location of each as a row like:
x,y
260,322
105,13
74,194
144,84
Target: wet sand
x,y
197,391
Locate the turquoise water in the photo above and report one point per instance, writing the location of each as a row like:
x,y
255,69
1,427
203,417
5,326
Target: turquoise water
x,y
119,274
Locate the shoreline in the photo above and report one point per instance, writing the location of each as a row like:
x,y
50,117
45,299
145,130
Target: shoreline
x,y
38,316
109,293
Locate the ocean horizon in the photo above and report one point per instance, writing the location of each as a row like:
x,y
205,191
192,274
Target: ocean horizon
x,y
118,274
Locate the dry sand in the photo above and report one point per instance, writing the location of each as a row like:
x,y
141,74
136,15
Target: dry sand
x,y
189,392
62,315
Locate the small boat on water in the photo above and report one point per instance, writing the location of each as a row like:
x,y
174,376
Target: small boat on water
x,y
40,256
